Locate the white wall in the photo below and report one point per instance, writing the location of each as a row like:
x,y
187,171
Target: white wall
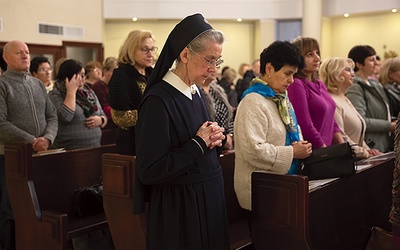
x,y
21,17
238,47
244,41
376,30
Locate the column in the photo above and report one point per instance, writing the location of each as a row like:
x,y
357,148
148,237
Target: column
x,y
312,19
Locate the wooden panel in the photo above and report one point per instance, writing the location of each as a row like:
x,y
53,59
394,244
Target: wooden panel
x,y
41,188
343,212
239,231
128,230
118,178
279,211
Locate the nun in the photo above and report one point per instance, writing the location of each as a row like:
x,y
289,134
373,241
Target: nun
x,y
177,146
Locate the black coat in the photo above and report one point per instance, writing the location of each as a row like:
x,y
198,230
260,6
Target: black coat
x,y
244,84
126,88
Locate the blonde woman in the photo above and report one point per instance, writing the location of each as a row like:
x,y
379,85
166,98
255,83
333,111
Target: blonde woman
x,y
390,78
337,74
127,84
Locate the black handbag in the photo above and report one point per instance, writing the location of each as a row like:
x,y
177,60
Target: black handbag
x,y
88,201
334,161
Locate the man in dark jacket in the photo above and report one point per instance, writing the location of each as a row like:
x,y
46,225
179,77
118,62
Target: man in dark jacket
x,y
242,85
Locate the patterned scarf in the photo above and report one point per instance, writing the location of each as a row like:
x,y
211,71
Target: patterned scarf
x,y
84,98
286,113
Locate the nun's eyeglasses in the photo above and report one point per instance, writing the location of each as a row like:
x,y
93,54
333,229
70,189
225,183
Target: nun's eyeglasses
x,y
217,61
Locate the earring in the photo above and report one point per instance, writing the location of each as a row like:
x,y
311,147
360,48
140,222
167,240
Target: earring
x,y
269,76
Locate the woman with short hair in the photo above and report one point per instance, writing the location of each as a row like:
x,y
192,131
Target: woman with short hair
x,y
370,100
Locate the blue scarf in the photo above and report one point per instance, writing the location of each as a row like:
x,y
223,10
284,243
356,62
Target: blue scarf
x,y
285,111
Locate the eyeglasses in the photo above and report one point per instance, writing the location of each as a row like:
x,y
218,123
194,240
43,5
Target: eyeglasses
x,y
217,61
44,70
146,50
349,70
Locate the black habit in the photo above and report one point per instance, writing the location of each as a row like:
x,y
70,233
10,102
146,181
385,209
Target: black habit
x,y
184,187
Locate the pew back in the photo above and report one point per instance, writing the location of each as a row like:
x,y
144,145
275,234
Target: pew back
x,y
41,188
279,211
239,232
127,229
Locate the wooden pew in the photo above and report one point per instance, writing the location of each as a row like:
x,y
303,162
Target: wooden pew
x,y
41,189
239,232
128,230
337,215
279,211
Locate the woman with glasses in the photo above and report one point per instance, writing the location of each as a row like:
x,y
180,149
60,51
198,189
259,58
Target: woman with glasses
x,y
80,116
314,107
177,161
337,74
127,84
41,69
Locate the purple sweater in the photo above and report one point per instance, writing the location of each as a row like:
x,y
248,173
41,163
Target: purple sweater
x,y
315,111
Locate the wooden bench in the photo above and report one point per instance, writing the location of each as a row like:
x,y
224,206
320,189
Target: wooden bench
x,y
279,211
41,188
336,215
128,230
239,232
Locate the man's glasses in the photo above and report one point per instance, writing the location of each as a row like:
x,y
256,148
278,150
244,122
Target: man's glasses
x,y
217,62
146,50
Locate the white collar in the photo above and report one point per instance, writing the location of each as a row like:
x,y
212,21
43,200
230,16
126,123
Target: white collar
x,y
174,80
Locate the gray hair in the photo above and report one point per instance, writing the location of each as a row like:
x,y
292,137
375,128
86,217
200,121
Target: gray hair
x,y
197,44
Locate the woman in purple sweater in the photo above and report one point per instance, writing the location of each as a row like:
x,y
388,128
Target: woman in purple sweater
x,y
314,107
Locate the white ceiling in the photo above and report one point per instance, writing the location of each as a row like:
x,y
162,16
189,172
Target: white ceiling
x,y
232,9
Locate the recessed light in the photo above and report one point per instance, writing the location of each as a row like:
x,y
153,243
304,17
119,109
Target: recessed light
x,y
134,19
394,10
239,19
346,14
